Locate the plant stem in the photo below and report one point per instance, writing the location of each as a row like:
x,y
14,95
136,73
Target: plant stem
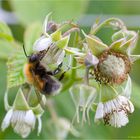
x,y
73,71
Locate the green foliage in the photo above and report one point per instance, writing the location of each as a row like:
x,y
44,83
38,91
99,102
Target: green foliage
x,y
31,34
6,41
30,11
62,10
5,32
16,62
15,75
5,49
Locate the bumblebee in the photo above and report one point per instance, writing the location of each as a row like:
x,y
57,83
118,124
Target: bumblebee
x,y
39,77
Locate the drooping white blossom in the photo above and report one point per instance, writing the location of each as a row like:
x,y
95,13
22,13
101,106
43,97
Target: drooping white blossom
x,y
114,112
23,122
21,117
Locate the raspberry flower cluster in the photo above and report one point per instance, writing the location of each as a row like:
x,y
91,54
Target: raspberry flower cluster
x,y
95,74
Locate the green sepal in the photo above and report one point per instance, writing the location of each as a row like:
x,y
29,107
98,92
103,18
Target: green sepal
x,y
20,102
107,93
56,35
133,58
116,46
123,40
123,34
74,51
95,45
124,47
46,23
117,36
63,43
37,110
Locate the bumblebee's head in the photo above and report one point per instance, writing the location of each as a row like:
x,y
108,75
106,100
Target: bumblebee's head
x,y
34,58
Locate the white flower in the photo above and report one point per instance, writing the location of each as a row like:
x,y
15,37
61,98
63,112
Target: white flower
x,y
20,116
42,43
53,43
21,121
114,112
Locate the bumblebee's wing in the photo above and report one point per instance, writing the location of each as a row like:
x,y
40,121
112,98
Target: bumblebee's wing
x,y
52,86
39,96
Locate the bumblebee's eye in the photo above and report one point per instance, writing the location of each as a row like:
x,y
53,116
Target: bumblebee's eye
x,y
33,58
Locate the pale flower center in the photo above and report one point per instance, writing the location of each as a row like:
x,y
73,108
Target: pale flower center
x,y
112,66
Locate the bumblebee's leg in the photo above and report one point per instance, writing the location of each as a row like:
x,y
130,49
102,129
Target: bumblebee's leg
x,y
58,69
63,74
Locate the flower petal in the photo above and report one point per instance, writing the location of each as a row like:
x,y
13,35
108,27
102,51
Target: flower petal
x,y
42,43
99,112
7,119
30,118
22,129
118,119
131,107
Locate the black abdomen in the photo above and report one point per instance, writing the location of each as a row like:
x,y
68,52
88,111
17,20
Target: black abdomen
x,y
51,85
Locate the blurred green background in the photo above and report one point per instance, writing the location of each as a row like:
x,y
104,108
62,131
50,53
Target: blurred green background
x,y
25,12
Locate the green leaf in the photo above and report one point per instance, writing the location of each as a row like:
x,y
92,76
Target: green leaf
x,y
6,49
107,93
5,32
32,33
31,11
63,42
20,102
15,75
95,45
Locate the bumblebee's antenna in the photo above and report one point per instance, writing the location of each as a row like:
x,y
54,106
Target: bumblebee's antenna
x,y
25,51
